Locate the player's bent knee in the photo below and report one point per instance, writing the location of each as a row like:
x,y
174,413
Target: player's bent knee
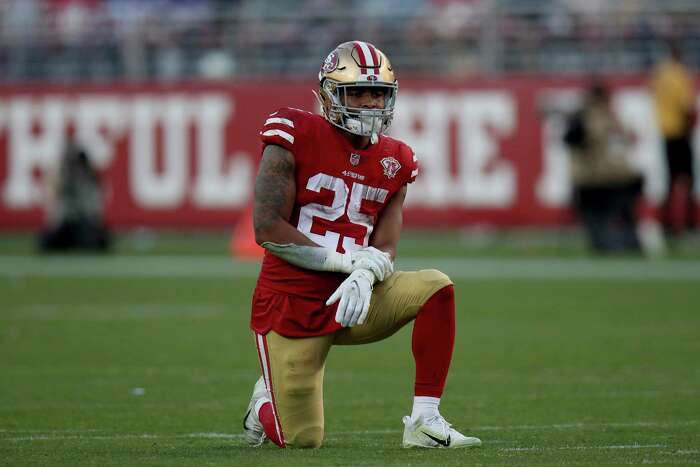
x,y
435,279
308,438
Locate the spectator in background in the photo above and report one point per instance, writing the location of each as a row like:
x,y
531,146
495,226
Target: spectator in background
x,y
674,98
606,186
19,23
74,19
74,217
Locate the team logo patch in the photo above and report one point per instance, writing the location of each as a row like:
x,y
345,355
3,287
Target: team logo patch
x,y
354,158
330,63
391,166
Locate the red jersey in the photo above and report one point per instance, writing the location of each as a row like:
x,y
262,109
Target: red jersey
x,y
340,193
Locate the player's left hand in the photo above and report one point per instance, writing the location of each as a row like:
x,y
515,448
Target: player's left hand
x,y
354,294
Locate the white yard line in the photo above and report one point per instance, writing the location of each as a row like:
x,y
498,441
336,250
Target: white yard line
x,y
335,436
555,426
42,435
198,266
125,266
110,312
56,435
575,425
582,448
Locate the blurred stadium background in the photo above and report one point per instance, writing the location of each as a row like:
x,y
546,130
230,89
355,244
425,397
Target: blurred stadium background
x,y
143,357
107,40
166,97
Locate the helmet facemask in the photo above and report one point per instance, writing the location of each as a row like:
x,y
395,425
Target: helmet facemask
x,y
358,120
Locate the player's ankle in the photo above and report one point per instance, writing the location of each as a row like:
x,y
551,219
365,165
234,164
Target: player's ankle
x,y
425,406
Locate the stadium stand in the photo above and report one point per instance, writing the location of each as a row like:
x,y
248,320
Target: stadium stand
x,y
106,40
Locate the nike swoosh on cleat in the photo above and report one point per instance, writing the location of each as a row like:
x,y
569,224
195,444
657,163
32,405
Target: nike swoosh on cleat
x,y
245,419
441,442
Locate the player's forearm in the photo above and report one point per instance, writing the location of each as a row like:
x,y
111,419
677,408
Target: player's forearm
x,y
310,257
273,228
280,238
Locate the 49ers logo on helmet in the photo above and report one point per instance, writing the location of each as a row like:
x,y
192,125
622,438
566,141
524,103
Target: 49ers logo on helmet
x,y
391,166
330,63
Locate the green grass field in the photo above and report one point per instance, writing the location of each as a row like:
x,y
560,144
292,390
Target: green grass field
x,y
147,360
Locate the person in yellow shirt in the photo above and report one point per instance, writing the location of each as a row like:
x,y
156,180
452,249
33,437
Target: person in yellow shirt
x,y
674,101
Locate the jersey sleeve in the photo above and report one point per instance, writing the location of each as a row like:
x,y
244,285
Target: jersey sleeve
x,y
282,128
411,161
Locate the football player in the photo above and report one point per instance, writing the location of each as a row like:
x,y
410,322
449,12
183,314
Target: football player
x,y
328,211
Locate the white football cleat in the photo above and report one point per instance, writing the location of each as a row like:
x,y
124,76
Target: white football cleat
x,y
434,432
253,429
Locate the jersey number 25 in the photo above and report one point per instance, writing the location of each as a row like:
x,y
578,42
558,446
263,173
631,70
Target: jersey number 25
x,y
342,204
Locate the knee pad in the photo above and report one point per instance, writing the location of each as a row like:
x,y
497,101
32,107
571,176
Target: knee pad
x,y
434,279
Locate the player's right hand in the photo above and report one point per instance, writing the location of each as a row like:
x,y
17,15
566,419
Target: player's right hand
x,y
354,294
374,260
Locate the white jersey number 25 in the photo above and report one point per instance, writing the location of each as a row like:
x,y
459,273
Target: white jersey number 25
x,y
342,204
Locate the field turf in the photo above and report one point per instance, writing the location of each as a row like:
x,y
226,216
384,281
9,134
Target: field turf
x,y
147,360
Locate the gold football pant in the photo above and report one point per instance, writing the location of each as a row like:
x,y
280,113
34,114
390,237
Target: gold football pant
x,y
293,367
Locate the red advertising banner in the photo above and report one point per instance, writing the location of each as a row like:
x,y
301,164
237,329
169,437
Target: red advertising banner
x,y
185,155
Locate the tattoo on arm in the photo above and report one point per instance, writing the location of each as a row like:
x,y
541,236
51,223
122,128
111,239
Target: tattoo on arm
x,y
274,187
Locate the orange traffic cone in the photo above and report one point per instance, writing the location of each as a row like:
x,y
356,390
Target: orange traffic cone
x,y
242,245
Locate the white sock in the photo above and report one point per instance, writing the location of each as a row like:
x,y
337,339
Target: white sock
x,y
424,406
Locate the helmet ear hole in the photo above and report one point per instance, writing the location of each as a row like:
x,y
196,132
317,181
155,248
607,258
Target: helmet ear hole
x,y
325,99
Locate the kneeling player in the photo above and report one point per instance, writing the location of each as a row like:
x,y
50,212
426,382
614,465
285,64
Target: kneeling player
x,y
328,210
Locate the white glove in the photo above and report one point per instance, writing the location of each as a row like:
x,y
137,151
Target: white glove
x,y
377,261
354,294
370,258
